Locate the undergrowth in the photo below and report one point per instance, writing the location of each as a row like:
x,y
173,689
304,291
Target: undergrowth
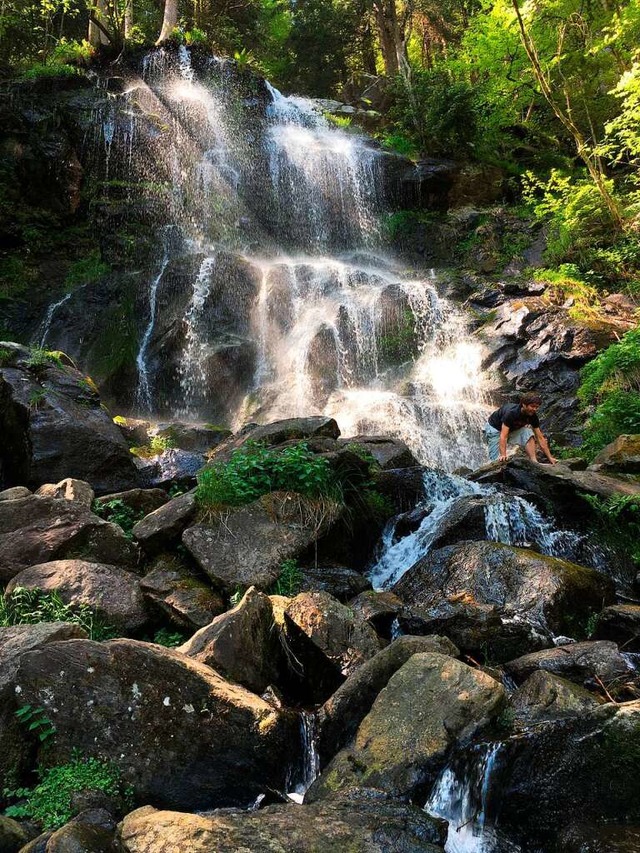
x,y
32,606
618,518
118,512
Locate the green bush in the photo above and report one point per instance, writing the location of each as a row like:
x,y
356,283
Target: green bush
x,y
32,606
289,581
40,69
169,639
119,513
611,383
255,470
618,519
50,801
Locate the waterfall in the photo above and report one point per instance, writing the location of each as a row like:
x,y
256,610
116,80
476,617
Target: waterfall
x,y
193,380
310,768
144,390
461,795
46,325
508,519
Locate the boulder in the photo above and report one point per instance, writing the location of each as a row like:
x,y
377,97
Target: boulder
x,y
113,593
567,772
182,736
389,453
246,546
15,493
579,662
365,825
342,713
622,456
142,501
53,426
545,696
404,487
339,581
620,623
197,438
402,743
242,645
70,490
12,835
548,593
165,525
37,530
169,468
15,641
92,831
379,609
278,432
179,594
590,838
344,638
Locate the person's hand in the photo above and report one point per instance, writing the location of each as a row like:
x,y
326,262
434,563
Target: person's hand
x,y
553,460
503,457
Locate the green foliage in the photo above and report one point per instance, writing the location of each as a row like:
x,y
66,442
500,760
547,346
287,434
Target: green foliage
x,y
618,518
118,512
37,398
289,580
379,506
170,639
69,51
566,283
401,141
15,277
255,470
36,721
40,359
611,383
86,271
342,122
195,36
398,341
6,357
50,801
39,70
32,606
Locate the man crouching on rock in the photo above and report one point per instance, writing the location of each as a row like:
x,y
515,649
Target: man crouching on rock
x,y
516,424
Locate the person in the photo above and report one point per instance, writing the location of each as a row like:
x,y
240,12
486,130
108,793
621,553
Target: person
x,y
517,424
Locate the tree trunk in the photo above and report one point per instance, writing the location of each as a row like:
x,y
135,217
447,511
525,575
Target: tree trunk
x,y
98,34
170,21
128,18
391,42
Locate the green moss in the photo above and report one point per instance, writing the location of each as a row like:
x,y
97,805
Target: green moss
x,y
116,345
86,271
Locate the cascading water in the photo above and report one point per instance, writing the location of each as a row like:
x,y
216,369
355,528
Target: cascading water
x,y
310,769
508,519
46,325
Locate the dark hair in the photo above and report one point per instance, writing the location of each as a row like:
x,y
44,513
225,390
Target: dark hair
x,y
530,398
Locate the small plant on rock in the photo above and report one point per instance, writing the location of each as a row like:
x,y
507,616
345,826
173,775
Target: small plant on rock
x,y
289,581
118,512
37,721
169,639
31,606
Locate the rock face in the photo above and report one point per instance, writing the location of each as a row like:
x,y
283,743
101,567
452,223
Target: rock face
x,y
344,638
15,642
545,696
578,662
139,500
164,525
37,530
185,599
621,456
247,545
339,581
621,623
389,453
401,745
183,737
373,825
113,593
243,644
53,427
543,591
70,490
278,432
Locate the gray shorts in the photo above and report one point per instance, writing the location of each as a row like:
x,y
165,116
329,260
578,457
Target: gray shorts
x,y
516,438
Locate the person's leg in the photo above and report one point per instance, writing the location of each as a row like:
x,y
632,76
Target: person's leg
x,y
530,449
492,437
524,438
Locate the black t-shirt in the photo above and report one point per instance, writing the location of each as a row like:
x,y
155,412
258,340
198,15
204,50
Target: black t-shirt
x,y
512,415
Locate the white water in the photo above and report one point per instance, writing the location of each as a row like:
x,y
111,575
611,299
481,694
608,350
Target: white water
x,y
144,394
193,379
46,325
508,519
310,757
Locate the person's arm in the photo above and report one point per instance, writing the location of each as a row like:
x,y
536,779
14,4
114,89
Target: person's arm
x,y
502,444
544,446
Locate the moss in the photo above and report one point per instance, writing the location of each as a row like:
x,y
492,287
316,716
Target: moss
x,y
115,348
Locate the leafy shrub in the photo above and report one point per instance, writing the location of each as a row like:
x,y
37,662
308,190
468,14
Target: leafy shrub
x,y
567,283
170,639
50,801
119,513
195,36
255,470
41,358
69,51
611,383
289,581
32,606
86,271
39,70
619,521
37,721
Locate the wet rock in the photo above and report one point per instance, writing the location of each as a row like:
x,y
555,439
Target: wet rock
x,y
70,490
139,500
113,593
165,525
135,431
366,825
182,735
343,712
339,581
379,609
620,623
579,662
178,593
403,486
545,696
91,831
170,467
389,453
37,530
53,427
16,641
12,836
622,456
402,743
247,545
590,838
334,629
568,772
242,645
547,593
